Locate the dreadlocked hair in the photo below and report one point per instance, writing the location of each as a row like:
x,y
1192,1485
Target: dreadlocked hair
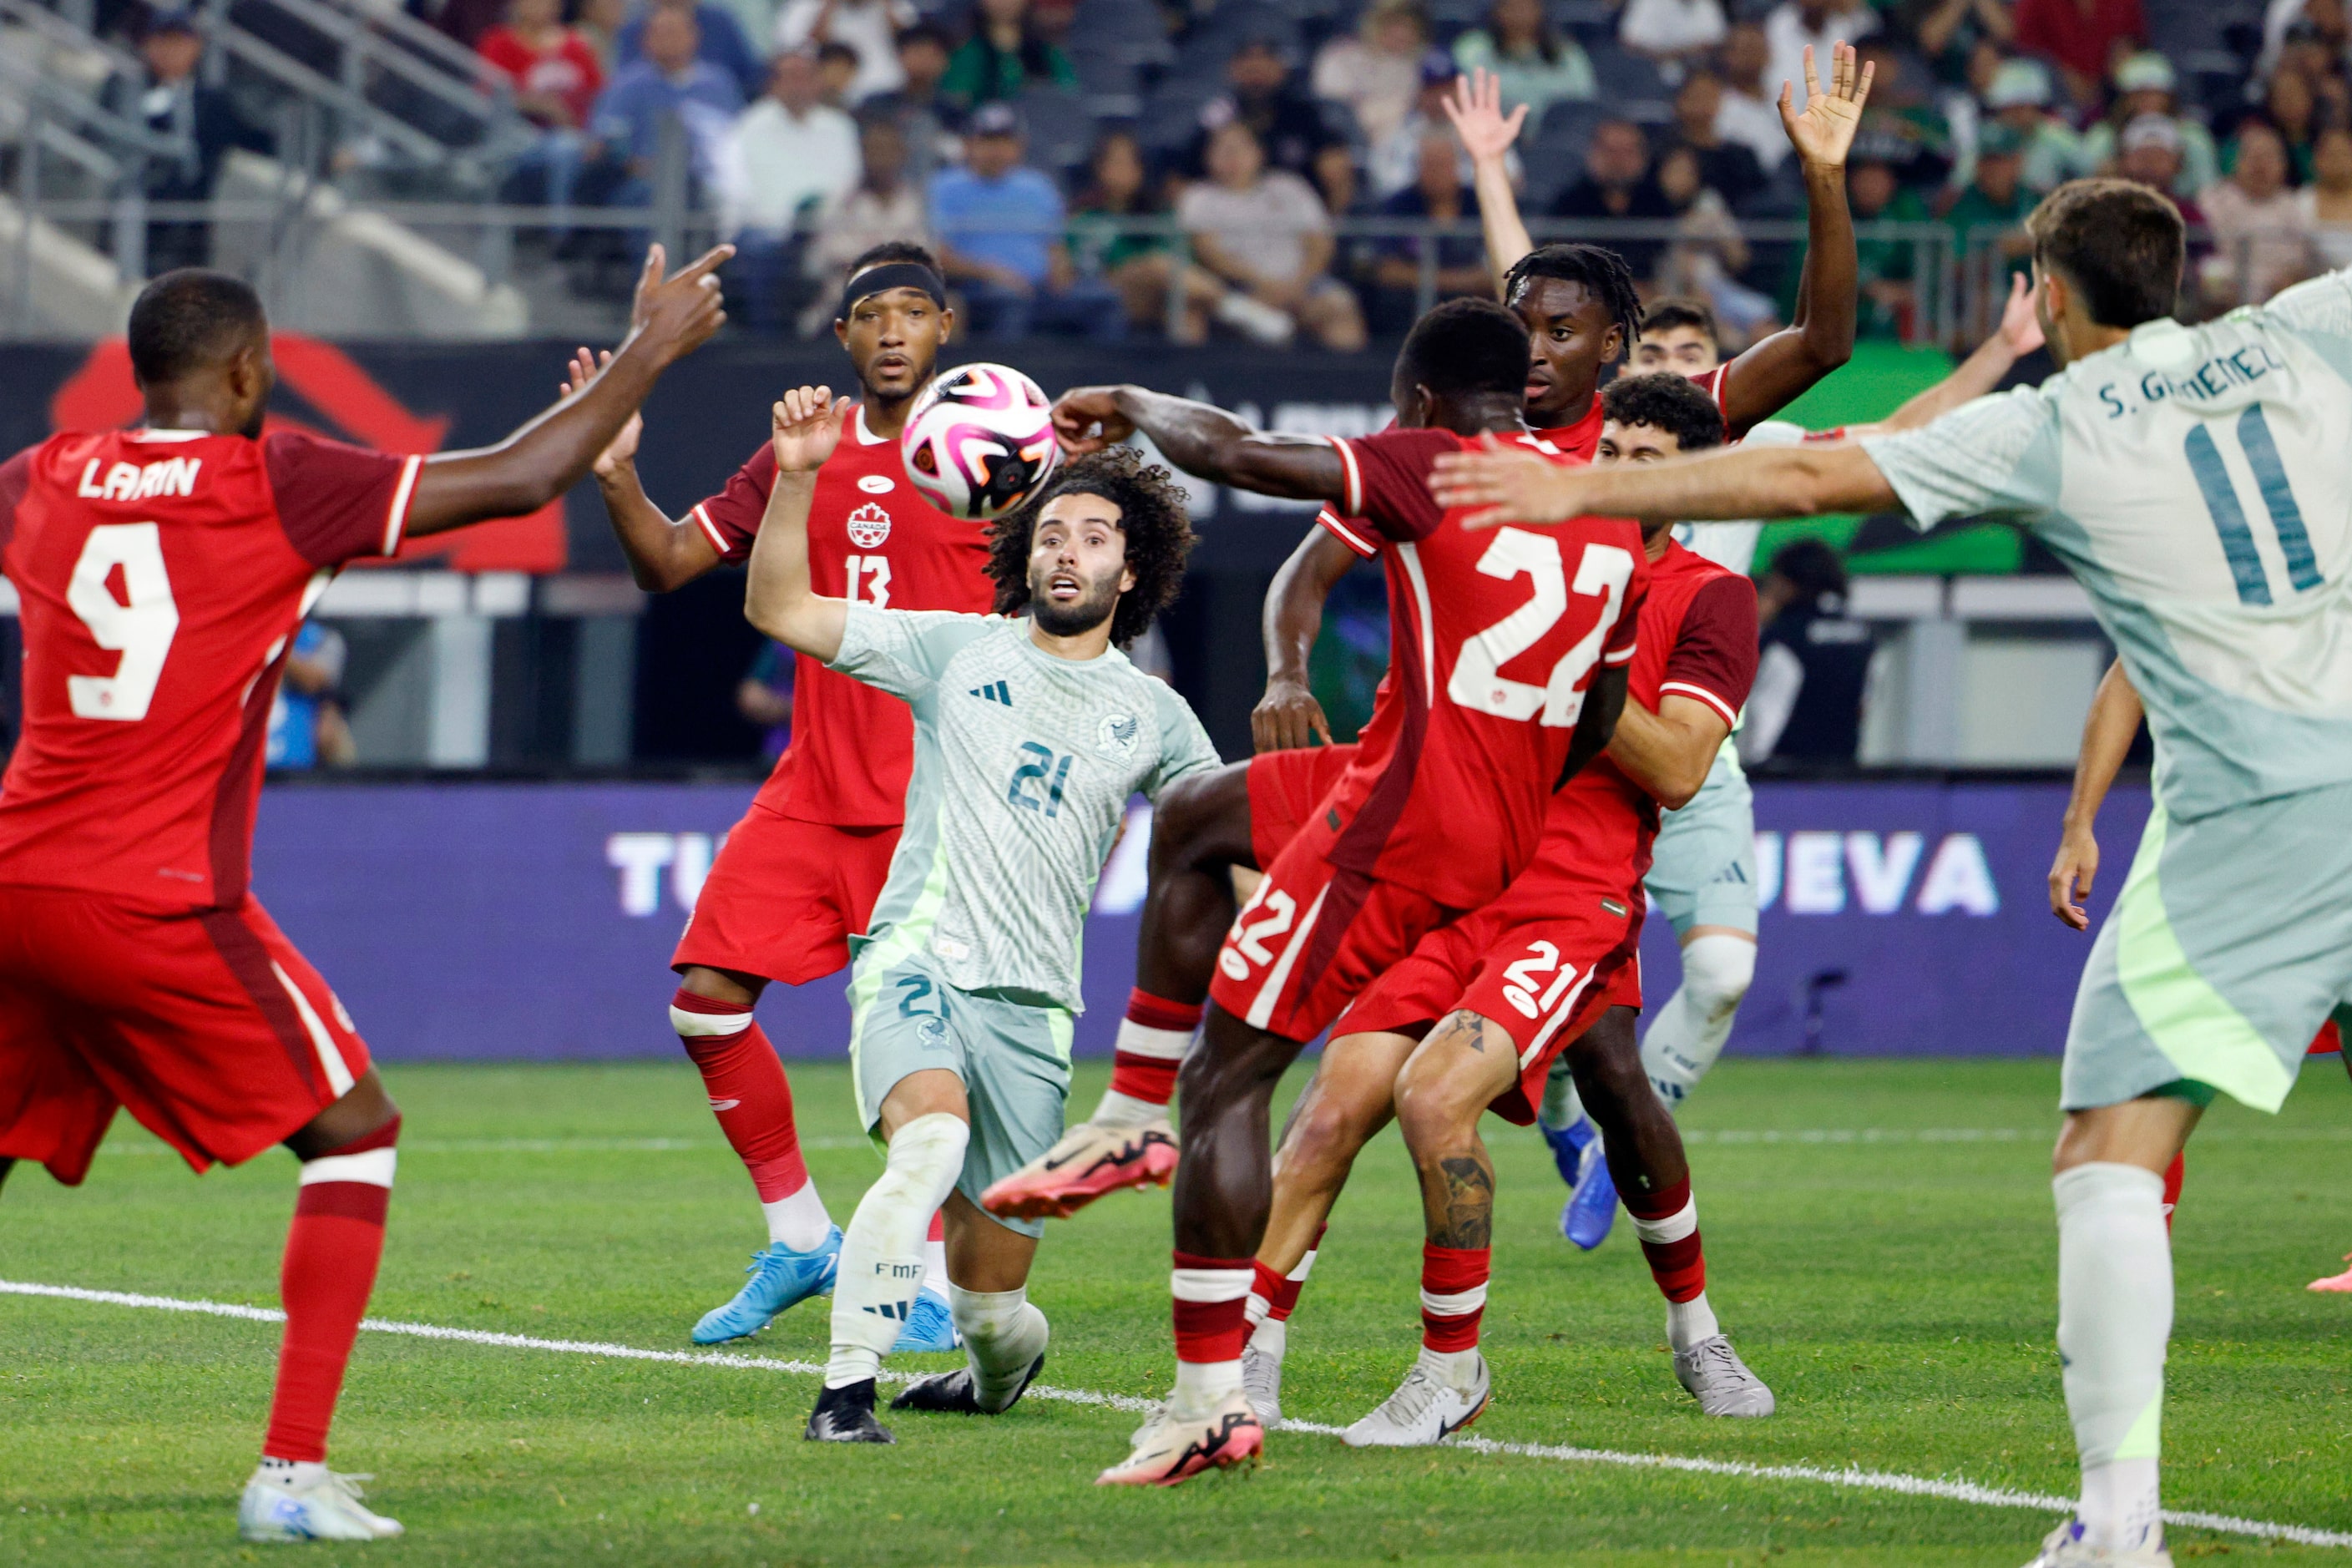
x,y
1152,514
1599,268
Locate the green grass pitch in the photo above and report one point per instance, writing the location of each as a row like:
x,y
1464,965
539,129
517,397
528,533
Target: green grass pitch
x,y
1892,1281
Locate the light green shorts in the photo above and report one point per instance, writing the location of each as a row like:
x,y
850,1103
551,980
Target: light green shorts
x,y
1703,865
1014,1058
2230,944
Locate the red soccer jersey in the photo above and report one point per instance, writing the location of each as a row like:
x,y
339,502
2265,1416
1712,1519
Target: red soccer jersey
x,y
1699,639
1494,637
1578,442
162,577
874,539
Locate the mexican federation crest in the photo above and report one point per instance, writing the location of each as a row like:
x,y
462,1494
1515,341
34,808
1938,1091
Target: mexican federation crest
x,y
1116,735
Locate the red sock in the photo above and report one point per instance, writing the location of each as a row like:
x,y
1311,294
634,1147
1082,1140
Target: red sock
x,y
1452,1295
1667,1223
1211,1298
331,1251
748,1089
2174,1175
938,1231
1150,1047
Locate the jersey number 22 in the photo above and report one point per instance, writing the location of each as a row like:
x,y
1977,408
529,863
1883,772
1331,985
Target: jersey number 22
x,y
1479,682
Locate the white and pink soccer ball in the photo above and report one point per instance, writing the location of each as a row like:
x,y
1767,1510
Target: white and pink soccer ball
x,y
980,441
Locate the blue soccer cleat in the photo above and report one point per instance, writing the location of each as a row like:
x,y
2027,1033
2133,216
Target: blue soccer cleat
x,y
1593,1207
780,1278
1567,1146
930,1326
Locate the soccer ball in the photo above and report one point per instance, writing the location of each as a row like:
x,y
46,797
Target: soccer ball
x,y
980,441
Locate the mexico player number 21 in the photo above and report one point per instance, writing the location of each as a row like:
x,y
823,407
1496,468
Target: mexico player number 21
x,y
140,630
1477,682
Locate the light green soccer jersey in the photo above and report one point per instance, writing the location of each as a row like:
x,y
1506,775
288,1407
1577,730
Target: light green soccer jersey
x,y
2198,482
1024,765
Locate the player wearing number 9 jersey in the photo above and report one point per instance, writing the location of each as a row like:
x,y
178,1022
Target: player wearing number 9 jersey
x,y
163,573
1501,641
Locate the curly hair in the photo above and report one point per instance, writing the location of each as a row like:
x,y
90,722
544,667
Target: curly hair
x,y
1152,514
1668,402
1602,271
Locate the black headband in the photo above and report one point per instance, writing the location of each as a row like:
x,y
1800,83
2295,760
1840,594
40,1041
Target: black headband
x,y
892,275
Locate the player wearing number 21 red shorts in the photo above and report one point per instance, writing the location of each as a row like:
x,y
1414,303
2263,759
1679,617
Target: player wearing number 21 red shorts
x,y
1500,640
163,573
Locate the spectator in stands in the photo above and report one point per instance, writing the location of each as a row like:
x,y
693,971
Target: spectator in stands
x,y
1885,267
2084,39
921,115
1750,114
2144,85
1000,226
798,153
1996,199
1793,25
1906,126
671,81
869,28
1004,55
1260,93
1143,267
555,76
1394,163
886,203
836,73
1806,705
1377,72
2327,202
171,101
600,22
2292,110
306,728
1709,252
1617,182
1536,63
2261,242
719,39
1672,30
2148,153
2018,97
1728,168
1457,262
1265,231
1948,33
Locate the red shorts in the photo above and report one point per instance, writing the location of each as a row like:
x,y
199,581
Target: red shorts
x,y
210,1028
1285,788
1313,937
1544,962
784,897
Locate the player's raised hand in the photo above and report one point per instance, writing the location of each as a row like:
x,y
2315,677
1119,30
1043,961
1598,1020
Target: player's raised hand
x,y
1475,107
1287,718
805,428
622,449
1823,129
1087,419
2020,322
2070,876
1506,485
679,314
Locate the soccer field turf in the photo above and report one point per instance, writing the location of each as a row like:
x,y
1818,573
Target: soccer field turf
x,y
1881,1249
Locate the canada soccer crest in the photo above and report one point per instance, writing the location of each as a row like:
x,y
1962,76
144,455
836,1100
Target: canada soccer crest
x,y
870,525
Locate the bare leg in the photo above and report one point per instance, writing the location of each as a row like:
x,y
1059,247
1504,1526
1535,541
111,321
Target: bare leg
x,y
1201,829
6,1165
1353,1097
723,984
1224,1178
365,1108
1442,1091
982,1253
1643,1147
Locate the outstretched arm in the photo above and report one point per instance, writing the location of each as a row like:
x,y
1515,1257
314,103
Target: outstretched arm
x,y
1727,484
1288,717
1475,107
1668,752
1771,375
548,455
1981,372
2107,733
1202,440
662,553
778,599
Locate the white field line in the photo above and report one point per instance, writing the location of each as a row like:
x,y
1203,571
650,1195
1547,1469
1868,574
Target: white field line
x,y
1858,1479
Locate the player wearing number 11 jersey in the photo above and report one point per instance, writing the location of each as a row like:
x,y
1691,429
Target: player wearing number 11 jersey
x,y
163,573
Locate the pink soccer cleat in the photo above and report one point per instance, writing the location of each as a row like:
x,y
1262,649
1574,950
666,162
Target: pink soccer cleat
x,y
1169,1451
1088,1161
2339,1283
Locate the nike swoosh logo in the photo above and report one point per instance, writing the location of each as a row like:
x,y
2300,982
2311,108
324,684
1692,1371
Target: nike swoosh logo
x,y
725,1104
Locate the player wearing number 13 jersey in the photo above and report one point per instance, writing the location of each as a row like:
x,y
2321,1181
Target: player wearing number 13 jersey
x,y
163,573
1502,637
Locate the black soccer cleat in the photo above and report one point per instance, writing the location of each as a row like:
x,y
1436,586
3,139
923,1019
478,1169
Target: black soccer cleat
x,y
846,1416
951,1393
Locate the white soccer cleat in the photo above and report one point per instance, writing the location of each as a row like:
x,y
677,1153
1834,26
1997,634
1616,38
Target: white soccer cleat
x,y
1170,1448
1424,1409
1087,1163
2063,1547
1720,1381
308,1502
1262,1382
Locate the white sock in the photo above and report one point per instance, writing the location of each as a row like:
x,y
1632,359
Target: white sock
x,y
1203,1386
1688,1322
935,1269
798,1220
882,1251
1271,1337
1004,1335
1119,1112
1455,1369
2114,1314
1561,1107
1687,1035
291,1474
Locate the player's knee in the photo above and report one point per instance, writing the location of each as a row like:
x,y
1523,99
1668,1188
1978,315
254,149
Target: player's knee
x,y
1716,972
1326,1132
1440,1094
1198,820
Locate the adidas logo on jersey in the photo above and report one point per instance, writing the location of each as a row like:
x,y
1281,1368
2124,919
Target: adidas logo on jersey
x,y
994,691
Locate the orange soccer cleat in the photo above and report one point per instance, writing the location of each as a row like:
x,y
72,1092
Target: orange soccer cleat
x,y
1089,1161
2339,1283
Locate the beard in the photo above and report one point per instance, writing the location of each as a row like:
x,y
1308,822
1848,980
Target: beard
x,y
1082,614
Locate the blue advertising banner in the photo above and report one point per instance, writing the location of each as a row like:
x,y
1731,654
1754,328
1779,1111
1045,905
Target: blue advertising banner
x,y
537,919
